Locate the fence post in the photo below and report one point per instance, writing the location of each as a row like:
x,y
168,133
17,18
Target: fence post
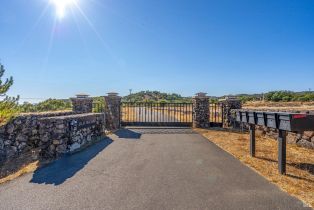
x,y
230,103
82,103
200,110
112,110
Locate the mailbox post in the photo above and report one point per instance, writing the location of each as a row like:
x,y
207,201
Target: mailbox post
x,y
252,140
252,122
282,144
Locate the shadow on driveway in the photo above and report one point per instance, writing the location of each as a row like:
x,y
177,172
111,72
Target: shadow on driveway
x,y
127,134
67,166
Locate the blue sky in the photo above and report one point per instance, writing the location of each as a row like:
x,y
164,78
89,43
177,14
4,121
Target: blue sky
x,y
183,46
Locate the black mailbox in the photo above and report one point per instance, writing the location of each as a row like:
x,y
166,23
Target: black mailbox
x,y
271,119
238,116
252,118
295,122
260,118
244,117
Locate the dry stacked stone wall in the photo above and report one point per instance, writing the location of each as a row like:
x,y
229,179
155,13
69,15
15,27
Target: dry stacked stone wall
x,y
49,133
21,134
64,134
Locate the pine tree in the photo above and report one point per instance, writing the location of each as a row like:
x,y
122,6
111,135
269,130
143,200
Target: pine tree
x,y
4,86
8,105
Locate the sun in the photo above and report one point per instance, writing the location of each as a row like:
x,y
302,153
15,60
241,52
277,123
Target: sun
x,y
62,6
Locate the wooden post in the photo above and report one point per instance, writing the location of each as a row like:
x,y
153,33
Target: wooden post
x,y
252,140
282,151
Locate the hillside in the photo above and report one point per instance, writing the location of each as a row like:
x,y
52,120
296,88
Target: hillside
x,y
153,96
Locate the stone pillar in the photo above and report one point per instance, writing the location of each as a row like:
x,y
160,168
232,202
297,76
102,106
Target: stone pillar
x,y
112,111
200,110
82,103
230,103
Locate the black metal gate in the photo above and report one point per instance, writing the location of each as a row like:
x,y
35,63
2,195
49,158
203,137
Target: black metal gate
x,y
156,114
216,114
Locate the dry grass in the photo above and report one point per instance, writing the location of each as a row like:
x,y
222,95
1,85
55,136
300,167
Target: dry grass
x,y
299,180
26,169
297,106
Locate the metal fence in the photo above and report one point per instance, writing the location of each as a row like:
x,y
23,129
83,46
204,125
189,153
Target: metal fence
x,y
216,114
156,114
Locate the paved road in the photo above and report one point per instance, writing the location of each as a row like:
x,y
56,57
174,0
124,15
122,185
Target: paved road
x,y
146,169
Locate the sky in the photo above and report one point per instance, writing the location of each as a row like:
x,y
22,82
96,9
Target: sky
x,y
182,46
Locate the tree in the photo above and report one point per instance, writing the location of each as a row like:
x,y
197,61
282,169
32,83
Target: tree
x,y
8,105
4,86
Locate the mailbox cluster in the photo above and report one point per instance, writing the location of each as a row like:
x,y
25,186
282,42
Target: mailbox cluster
x,y
283,121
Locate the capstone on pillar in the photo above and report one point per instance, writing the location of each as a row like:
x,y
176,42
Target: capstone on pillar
x,y
82,103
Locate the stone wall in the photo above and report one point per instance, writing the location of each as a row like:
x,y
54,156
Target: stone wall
x,y
64,134
305,139
21,133
50,133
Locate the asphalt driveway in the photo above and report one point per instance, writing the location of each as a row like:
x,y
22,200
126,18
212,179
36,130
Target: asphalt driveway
x,y
146,169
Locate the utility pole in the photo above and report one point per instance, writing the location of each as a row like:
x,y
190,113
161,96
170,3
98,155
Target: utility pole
x,y
130,90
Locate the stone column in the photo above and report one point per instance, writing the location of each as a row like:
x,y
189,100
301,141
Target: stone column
x,y
82,103
200,110
230,103
112,111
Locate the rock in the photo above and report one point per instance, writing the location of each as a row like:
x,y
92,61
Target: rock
x,y
1,144
21,138
22,146
305,143
60,126
74,146
89,138
7,142
291,138
56,142
52,148
34,132
308,134
45,138
61,148
10,128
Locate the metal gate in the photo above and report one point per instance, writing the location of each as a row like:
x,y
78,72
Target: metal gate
x,y
216,114
156,114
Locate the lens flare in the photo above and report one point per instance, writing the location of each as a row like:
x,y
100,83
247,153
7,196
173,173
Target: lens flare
x,y
61,7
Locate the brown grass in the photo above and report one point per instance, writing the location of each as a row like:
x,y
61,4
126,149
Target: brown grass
x,y
26,169
297,106
299,180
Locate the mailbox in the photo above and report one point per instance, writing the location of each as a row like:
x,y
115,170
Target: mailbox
x,y
271,119
260,118
282,121
238,116
244,117
295,122
252,118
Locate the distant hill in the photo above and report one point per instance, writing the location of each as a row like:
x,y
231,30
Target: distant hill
x,y
154,96
275,96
